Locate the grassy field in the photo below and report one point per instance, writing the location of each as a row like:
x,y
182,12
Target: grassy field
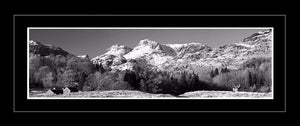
x,y
128,94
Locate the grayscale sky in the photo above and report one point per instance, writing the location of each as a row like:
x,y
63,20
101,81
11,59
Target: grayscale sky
x,y
94,42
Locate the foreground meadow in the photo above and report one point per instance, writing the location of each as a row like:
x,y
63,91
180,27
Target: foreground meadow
x,y
128,94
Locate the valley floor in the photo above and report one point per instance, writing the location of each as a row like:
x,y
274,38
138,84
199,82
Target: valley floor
x,y
128,94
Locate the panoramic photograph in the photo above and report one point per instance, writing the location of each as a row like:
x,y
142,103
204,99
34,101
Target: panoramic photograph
x,y
149,63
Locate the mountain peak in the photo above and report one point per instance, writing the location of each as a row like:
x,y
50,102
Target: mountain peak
x,y
33,43
113,55
147,42
45,49
118,49
264,34
192,48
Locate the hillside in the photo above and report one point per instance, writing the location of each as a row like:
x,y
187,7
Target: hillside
x,y
45,49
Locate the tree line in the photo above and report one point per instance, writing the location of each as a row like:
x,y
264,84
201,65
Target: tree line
x,y
71,71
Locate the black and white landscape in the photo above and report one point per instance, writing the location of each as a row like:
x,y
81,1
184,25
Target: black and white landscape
x,y
155,70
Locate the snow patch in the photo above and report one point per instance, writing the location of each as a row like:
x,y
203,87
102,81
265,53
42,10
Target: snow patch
x,y
33,43
83,56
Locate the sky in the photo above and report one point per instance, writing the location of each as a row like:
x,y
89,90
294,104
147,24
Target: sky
x,y
94,42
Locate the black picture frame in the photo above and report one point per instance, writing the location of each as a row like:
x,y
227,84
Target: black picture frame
x,y
21,104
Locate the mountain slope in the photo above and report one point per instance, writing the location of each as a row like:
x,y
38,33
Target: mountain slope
x,y
154,55
112,56
45,49
232,55
185,50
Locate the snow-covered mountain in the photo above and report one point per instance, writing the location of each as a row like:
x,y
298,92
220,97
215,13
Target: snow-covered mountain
x,y
194,55
112,56
192,50
233,55
154,53
118,50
